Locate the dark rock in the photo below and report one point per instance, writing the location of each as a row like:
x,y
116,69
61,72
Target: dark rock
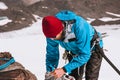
x,y
21,15
99,22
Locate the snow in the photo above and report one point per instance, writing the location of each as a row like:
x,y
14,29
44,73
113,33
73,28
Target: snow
x,y
3,6
106,19
4,20
23,32
89,20
111,43
28,47
117,15
44,7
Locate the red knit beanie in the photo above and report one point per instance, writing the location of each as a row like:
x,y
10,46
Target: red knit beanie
x,y
51,26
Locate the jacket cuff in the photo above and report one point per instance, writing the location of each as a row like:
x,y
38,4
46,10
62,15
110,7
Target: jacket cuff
x,y
64,69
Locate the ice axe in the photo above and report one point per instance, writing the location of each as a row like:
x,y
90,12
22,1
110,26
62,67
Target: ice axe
x,y
104,56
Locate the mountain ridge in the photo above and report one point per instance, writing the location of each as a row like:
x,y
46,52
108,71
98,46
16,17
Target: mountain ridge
x,y
22,15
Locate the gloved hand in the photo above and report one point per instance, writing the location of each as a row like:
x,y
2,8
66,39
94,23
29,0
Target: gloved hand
x,y
49,76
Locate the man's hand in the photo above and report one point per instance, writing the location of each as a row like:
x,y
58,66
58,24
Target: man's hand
x,y
58,73
48,76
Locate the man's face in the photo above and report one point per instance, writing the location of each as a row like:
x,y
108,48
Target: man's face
x,y
59,36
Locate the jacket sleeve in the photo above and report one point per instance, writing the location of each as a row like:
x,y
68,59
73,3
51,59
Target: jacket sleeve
x,y
52,55
82,33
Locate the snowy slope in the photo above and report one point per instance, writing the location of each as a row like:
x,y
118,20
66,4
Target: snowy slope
x,y
111,43
28,47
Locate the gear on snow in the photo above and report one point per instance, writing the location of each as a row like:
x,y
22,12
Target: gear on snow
x,y
11,70
48,76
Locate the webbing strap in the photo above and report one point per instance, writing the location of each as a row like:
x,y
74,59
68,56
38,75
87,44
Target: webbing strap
x,y
7,63
94,40
69,21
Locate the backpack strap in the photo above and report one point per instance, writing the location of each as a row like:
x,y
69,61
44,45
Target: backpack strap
x,y
69,21
68,34
95,40
7,63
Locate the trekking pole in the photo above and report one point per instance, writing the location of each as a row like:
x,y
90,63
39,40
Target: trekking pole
x,y
105,57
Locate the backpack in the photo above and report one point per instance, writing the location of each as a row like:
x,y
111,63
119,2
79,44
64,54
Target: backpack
x,y
11,70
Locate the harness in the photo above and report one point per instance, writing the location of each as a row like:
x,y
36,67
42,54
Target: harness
x,y
68,55
95,40
10,61
67,34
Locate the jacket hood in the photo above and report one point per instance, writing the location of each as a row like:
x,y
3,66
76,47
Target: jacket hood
x,y
66,15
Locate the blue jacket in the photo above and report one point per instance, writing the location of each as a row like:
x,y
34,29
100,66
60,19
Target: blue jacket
x,y
83,32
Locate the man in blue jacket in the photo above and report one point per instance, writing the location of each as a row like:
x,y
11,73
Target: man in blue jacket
x,y
75,35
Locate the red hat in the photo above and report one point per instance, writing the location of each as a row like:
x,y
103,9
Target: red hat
x,y
51,26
